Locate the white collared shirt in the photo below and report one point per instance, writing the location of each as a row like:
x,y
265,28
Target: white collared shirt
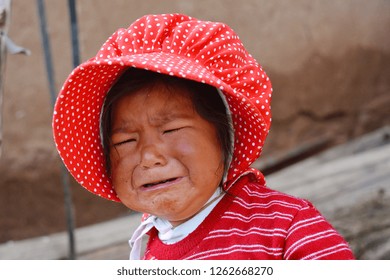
x,y
175,234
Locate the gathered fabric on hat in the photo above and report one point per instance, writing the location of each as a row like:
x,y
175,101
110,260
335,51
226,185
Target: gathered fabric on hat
x,y
173,44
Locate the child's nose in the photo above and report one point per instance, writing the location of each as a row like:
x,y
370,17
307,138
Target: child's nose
x,y
151,156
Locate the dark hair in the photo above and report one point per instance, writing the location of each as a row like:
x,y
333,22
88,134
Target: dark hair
x,y
205,98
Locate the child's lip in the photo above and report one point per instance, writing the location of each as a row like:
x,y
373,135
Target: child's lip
x,y
161,184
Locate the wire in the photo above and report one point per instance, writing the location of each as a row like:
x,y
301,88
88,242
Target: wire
x,y
64,173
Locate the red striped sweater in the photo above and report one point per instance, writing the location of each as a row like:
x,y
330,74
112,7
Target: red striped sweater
x,y
255,222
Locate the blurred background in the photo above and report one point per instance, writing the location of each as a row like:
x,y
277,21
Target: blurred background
x,y
329,62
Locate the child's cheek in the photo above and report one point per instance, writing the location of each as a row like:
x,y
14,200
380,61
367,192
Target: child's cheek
x,y
121,167
183,146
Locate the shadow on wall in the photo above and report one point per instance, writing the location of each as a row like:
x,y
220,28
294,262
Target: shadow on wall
x,y
345,97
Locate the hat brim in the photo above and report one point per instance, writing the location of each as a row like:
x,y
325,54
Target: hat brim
x,y
175,45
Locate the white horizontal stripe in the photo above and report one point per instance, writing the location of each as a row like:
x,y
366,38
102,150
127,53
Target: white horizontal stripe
x,y
305,223
237,248
240,217
268,193
326,252
247,205
308,239
250,231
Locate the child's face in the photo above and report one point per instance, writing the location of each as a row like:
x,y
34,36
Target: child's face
x,y
166,160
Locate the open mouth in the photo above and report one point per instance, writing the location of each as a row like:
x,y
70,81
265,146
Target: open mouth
x,y
159,183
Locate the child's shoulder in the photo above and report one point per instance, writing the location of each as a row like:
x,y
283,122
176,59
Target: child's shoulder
x,y
256,200
255,192
255,205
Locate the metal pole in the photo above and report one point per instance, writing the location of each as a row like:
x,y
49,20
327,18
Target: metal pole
x,y
75,53
74,32
65,175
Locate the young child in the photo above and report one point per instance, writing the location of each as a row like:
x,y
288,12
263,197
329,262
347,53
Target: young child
x,y
167,119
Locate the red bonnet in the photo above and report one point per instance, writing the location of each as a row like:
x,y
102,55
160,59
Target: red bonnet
x,y
173,44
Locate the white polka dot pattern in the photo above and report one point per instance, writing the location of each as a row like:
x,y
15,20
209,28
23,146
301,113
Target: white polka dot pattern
x,y
172,44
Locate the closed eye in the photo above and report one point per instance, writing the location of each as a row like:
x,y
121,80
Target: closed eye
x,y
124,142
171,130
